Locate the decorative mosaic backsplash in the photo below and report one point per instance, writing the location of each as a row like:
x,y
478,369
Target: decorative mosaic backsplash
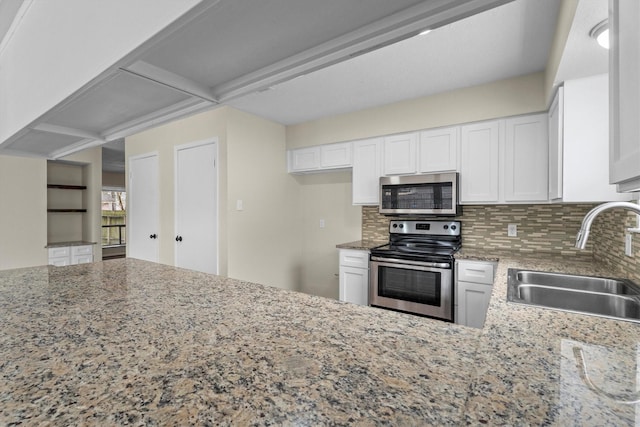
x,y
607,241
541,228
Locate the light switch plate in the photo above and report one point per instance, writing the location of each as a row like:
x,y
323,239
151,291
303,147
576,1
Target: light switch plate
x,y
628,244
512,230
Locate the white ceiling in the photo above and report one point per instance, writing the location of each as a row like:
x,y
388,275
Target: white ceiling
x,y
292,61
582,56
508,41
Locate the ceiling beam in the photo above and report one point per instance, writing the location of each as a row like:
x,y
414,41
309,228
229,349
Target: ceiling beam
x,y
175,111
391,29
169,79
63,130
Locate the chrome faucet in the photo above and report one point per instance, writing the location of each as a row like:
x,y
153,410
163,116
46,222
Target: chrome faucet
x,y
583,234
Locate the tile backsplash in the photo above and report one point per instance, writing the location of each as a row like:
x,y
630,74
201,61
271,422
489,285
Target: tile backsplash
x,y
541,228
548,228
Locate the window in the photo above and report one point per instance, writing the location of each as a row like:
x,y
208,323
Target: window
x,y
114,216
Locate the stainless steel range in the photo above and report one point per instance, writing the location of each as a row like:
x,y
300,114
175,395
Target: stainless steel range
x,y
414,272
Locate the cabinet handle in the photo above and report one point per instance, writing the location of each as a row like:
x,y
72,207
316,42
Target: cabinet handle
x,y
178,238
153,236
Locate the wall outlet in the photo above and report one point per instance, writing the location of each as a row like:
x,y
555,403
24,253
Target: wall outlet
x,y
628,244
512,230
322,223
239,205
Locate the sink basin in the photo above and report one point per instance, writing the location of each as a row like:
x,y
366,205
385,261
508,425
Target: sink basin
x,y
597,296
580,283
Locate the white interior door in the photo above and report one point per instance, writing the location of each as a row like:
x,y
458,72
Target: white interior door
x,y
142,192
197,207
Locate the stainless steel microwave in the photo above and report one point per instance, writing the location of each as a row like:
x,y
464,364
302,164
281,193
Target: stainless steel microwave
x,y
427,194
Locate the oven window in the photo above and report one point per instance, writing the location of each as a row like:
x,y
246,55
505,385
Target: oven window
x,y
423,287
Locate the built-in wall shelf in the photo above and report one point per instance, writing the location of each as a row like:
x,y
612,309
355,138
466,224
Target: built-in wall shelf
x,y
67,210
67,187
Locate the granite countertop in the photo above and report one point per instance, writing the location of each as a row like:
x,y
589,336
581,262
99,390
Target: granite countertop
x,y
73,243
527,371
362,245
133,342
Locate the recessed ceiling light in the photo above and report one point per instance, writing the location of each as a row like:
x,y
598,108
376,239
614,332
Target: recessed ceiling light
x,y
601,33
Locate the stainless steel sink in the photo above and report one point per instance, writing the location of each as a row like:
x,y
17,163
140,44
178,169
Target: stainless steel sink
x,y
598,296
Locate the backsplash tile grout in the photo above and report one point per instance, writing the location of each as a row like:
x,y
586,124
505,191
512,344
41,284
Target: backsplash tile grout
x,y
549,228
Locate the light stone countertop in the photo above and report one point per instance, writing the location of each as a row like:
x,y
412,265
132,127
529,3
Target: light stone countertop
x,y
73,243
133,342
362,245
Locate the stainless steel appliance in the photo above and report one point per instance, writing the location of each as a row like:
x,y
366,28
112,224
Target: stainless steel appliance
x,y
427,194
414,272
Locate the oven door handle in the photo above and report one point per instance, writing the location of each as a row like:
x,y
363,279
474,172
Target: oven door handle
x,y
442,265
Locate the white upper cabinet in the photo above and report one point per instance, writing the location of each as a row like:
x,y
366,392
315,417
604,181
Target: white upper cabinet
x,y
335,155
555,119
624,68
579,143
320,158
400,154
479,162
438,150
304,159
367,169
526,159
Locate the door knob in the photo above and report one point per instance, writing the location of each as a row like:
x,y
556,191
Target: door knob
x,y
178,238
153,236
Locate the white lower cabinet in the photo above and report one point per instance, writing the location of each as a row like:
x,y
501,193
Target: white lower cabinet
x,y
474,283
354,276
70,255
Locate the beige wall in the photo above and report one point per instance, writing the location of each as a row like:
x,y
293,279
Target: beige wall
x,y
23,215
252,168
509,97
327,197
163,139
112,179
264,241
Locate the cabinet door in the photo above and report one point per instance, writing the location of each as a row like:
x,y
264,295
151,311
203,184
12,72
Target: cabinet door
x,y
526,159
438,150
354,285
556,121
479,162
304,159
335,155
624,69
400,154
60,262
367,169
586,142
473,302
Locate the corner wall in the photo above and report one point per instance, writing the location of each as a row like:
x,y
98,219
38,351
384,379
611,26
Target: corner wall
x,y
23,216
264,243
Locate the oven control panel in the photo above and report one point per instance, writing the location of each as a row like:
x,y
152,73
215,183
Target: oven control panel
x,y
432,228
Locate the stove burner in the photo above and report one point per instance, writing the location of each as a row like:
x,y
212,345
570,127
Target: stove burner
x,y
421,240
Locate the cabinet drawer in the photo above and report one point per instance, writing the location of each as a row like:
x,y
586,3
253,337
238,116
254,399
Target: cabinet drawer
x,y
59,252
354,258
59,262
475,272
81,259
82,250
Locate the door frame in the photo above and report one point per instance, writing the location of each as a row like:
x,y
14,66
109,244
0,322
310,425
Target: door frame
x,y
209,141
131,203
